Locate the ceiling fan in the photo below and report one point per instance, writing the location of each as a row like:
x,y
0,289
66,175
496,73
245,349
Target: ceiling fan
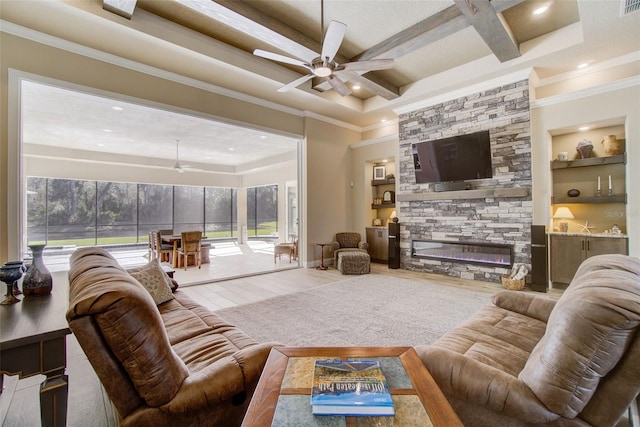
x,y
324,65
178,166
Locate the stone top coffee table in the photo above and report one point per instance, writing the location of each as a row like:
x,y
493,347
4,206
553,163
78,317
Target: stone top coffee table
x,y
282,397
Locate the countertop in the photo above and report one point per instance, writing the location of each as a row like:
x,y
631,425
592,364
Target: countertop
x,y
620,236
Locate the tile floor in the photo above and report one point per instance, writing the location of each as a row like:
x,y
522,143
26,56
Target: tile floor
x,y
228,260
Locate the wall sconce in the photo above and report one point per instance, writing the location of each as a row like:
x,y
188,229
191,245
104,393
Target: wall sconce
x,y
563,213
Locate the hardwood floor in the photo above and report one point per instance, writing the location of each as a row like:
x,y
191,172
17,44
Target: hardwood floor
x,y
89,406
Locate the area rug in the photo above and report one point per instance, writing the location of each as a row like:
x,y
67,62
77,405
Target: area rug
x,y
369,310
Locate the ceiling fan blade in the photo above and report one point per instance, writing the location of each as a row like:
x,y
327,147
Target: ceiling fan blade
x,y
339,86
280,58
374,64
333,40
295,83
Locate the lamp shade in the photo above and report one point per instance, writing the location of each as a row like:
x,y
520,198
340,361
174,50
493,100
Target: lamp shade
x,y
563,213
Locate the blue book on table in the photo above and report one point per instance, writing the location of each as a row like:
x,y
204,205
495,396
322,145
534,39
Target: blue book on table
x,y
350,387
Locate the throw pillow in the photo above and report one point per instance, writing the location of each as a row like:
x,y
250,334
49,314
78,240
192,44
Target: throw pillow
x,y
155,280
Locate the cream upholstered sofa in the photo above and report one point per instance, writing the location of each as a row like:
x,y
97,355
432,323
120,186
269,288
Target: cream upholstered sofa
x,y
529,360
162,358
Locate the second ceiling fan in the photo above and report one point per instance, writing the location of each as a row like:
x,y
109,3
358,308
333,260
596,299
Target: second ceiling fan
x,y
324,65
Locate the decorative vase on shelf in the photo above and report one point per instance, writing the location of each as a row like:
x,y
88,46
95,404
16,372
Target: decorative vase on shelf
x,y
10,273
37,280
584,148
612,146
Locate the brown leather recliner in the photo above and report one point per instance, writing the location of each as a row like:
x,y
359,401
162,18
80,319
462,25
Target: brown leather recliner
x,y
529,360
176,363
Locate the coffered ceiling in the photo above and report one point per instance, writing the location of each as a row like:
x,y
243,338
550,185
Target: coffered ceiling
x,y
437,45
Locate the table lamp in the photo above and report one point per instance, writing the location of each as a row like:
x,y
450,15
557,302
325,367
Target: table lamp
x,y
563,213
393,215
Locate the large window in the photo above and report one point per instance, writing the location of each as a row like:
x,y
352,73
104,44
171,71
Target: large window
x,y
262,211
155,205
85,213
221,212
116,204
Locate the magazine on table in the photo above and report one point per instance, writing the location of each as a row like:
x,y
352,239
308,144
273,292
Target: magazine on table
x,y
350,387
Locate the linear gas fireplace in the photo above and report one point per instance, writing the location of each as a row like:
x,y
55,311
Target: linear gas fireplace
x,y
466,252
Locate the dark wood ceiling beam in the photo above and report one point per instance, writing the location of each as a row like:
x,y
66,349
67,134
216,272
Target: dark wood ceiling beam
x,y
493,30
123,8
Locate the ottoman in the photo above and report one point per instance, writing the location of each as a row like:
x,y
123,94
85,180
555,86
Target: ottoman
x,y
356,262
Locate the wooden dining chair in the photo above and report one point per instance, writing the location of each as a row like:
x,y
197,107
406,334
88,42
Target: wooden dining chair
x,y
163,251
191,244
152,246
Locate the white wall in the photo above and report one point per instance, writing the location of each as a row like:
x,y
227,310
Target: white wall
x,y
327,198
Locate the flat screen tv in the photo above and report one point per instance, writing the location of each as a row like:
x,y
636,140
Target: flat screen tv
x,y
458,158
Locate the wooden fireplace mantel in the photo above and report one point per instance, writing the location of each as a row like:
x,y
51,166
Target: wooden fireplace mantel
x,y
482,193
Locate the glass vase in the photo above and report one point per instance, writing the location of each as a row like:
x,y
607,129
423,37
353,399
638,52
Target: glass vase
x,y
10,273
37,280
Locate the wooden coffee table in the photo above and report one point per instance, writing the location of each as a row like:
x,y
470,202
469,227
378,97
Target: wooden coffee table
x,y
282,397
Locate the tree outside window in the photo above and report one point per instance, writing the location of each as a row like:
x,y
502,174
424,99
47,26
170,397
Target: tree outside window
x,y
262,211
87,213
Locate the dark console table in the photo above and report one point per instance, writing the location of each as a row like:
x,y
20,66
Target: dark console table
x,y
33,341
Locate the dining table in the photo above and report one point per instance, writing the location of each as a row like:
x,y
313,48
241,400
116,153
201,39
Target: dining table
x,y
175,240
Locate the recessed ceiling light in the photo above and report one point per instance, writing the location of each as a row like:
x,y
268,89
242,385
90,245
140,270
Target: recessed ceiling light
x,y
540,10
100,145
355,87
263,137
106,130
231,149
583,65
383,120
117,108
583,128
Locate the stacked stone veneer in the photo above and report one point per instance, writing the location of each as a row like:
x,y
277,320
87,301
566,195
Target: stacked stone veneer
x,y
504,111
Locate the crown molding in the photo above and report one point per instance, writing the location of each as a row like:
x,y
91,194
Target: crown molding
x,y
598,90
374,141
332,121
388,122
58,43
595,68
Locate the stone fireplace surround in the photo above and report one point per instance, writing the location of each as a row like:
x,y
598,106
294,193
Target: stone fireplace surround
x,y
496,210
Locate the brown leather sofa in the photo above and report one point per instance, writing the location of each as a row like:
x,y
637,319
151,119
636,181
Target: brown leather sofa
x,y
529,360
175,363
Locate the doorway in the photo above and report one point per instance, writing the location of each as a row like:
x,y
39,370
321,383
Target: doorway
x,y
68,132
